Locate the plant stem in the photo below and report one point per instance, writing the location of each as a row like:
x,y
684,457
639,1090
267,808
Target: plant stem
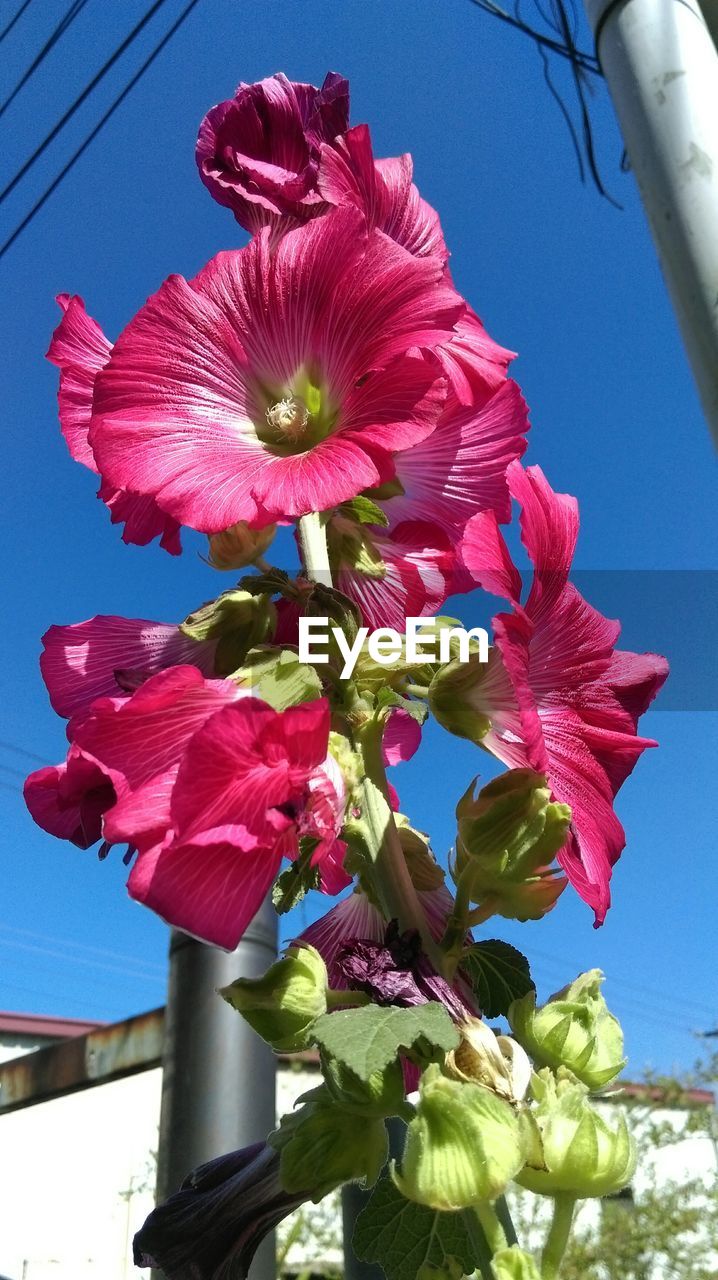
x,y
479,1244
503,1213
392,882
491,1227
557,1239
313,544
345,999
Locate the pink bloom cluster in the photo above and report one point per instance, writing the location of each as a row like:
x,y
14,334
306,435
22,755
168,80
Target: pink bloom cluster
x,y
209,785
329,365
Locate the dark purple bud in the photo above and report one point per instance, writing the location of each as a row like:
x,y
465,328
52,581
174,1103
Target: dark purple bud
x,y
397,972
211,1228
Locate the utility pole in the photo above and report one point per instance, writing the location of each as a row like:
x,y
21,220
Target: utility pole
x,y
219,1077
661,66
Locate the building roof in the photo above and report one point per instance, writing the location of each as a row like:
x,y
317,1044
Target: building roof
x,y
33,1024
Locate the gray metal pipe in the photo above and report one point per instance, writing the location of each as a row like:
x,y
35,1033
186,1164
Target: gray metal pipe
x,y
661,66
219,1077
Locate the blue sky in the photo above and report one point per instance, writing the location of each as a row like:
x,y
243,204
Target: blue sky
x,y
556,273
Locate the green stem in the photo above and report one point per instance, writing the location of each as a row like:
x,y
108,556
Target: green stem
x,y
313,544
491,1227
503,1213
479,1244
557,1239
392,882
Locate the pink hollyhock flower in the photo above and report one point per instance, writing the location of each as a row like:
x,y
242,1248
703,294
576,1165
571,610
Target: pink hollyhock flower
x,y
80,349
276,382
258,152
561,698
383,190
107,655
252,782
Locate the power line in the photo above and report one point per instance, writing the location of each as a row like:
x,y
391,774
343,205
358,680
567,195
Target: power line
x,y
21,751
160,969
100,125
586,61
11,23
56,954
65,22
107,66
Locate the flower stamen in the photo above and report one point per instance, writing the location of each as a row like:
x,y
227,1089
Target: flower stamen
x,y
289,417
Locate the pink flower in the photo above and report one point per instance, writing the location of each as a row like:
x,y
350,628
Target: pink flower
x,y
108,655
561,698
258,152
252,782
383,190
276,382
80,349
473,362
210,785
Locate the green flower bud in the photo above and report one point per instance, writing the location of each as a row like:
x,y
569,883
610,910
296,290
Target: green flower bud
x,y
237,620
284,1003
507,836
514,1264
322,1146
452,702
496,1062
574,1147
574,1029
424,870
239,546
381,1095
463,1146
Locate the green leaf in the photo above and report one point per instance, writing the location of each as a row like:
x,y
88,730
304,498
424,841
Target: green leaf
x,y
292,885
364,511
498,974
403,1237
368,1039
279,678
390,698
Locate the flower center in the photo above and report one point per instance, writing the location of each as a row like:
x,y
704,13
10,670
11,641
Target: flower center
x,y
289,418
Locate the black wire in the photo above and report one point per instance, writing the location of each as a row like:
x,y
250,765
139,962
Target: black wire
x,y
11,23
79,100
587,61
578,78
564,112
75,8
101,123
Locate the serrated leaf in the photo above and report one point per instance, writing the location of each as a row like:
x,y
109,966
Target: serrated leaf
x,y
368,1039
402,1237
364,511
293,884
498,974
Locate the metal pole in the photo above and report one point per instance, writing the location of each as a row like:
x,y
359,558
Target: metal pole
x,y
219,1078
661,66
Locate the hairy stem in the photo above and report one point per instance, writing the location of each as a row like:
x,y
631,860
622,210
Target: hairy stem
x,y
503,1213
491,1227
558,1235
392,882
479,1244
313,545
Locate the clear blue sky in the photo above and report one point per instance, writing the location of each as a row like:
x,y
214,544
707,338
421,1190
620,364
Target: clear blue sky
x,y
555,272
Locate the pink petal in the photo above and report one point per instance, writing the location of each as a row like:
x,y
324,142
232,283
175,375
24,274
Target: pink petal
x,y
248,765
474,364
210,891
461,468
68,800
80,349
487,558
139,742
79,662
402,737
